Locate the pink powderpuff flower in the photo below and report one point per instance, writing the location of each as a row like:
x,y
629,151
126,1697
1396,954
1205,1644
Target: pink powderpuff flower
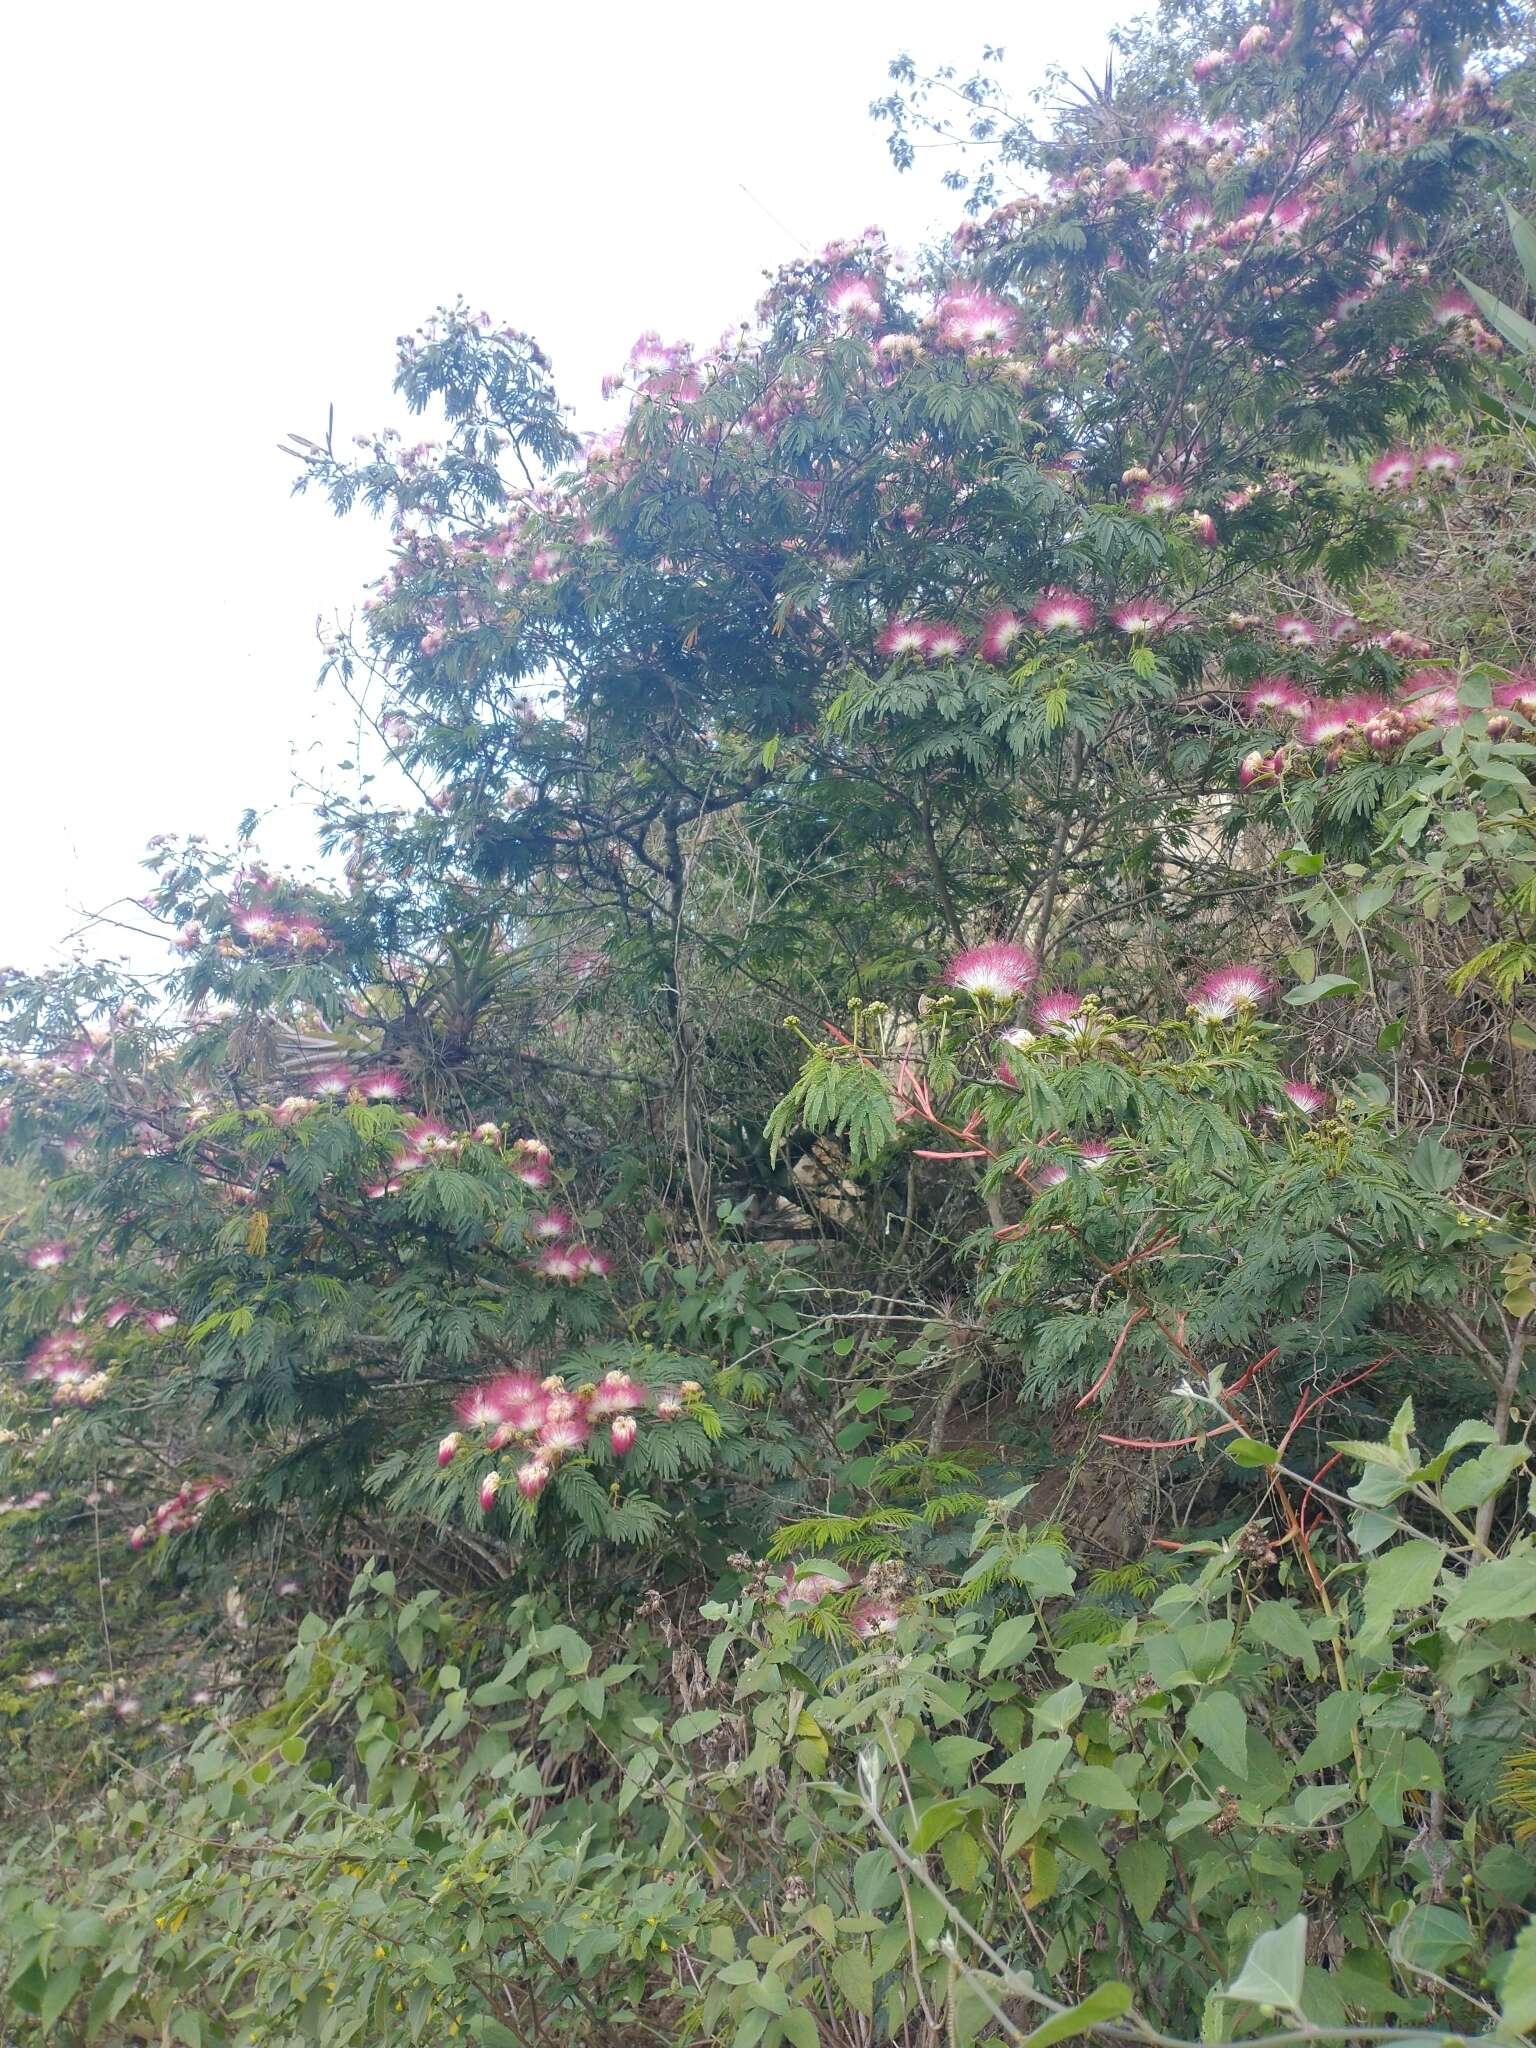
x,y
564,1427
1145,615
490,1486
1303,1096
1094,1154
426,1134
943,643
874,1618
1518,694
1276,697
550,1225
1061,1011
1259,37
999,631
487,1134
1392,472
41,1679
478,1408
1050,1177
853,300
447,1449
520,1401
1062,611
999,971
903,636
597,1263
261,925
668,1405
615,1394
1440,461
1159,498
384,1084
1230,990
305,936
1203,527
1210,62
160,1320
291,1108
558,1264
622,1432
115,1313
1452,306
1333,720
533,1174
46,1258
1296,632
532,1478
1258,769
334,1085
806,1589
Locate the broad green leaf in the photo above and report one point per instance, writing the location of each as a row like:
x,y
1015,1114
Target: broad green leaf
x,y
1097,1785
1433,1165
1059,1709
1144,1868
1107,2002
1403,1576
1279,1624
1430,1938
1324,986
1275,1969
1338,1715
1501,1590
1480,1478
854,1978
1517,1989
935,1821
1219,1722
1008,1642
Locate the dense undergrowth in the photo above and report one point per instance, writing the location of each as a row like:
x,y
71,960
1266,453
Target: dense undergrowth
x,y
830,1347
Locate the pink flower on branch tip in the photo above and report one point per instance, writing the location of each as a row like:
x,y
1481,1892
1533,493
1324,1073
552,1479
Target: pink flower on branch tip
x,y
1060,1011
944,643
1276,697
621,1434
490,1486
1000,971
1094,1154
448,1446
999,631
1296,632
903,636
853,299
384,1084
46,1258
1062,611
1303,1096
1229,992
1143,615
532,1478
550,1225
1394,471
1441,461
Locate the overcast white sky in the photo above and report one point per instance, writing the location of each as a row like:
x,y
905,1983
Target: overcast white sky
x,y
219,219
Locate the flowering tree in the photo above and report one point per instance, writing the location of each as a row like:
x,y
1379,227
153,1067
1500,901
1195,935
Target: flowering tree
x,y
1011,667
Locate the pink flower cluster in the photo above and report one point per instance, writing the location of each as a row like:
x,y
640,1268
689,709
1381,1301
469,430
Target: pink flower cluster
x,y
271,932
999,971
799,1591
1365,720
547,1420
1400,468
1054,611
182,1511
